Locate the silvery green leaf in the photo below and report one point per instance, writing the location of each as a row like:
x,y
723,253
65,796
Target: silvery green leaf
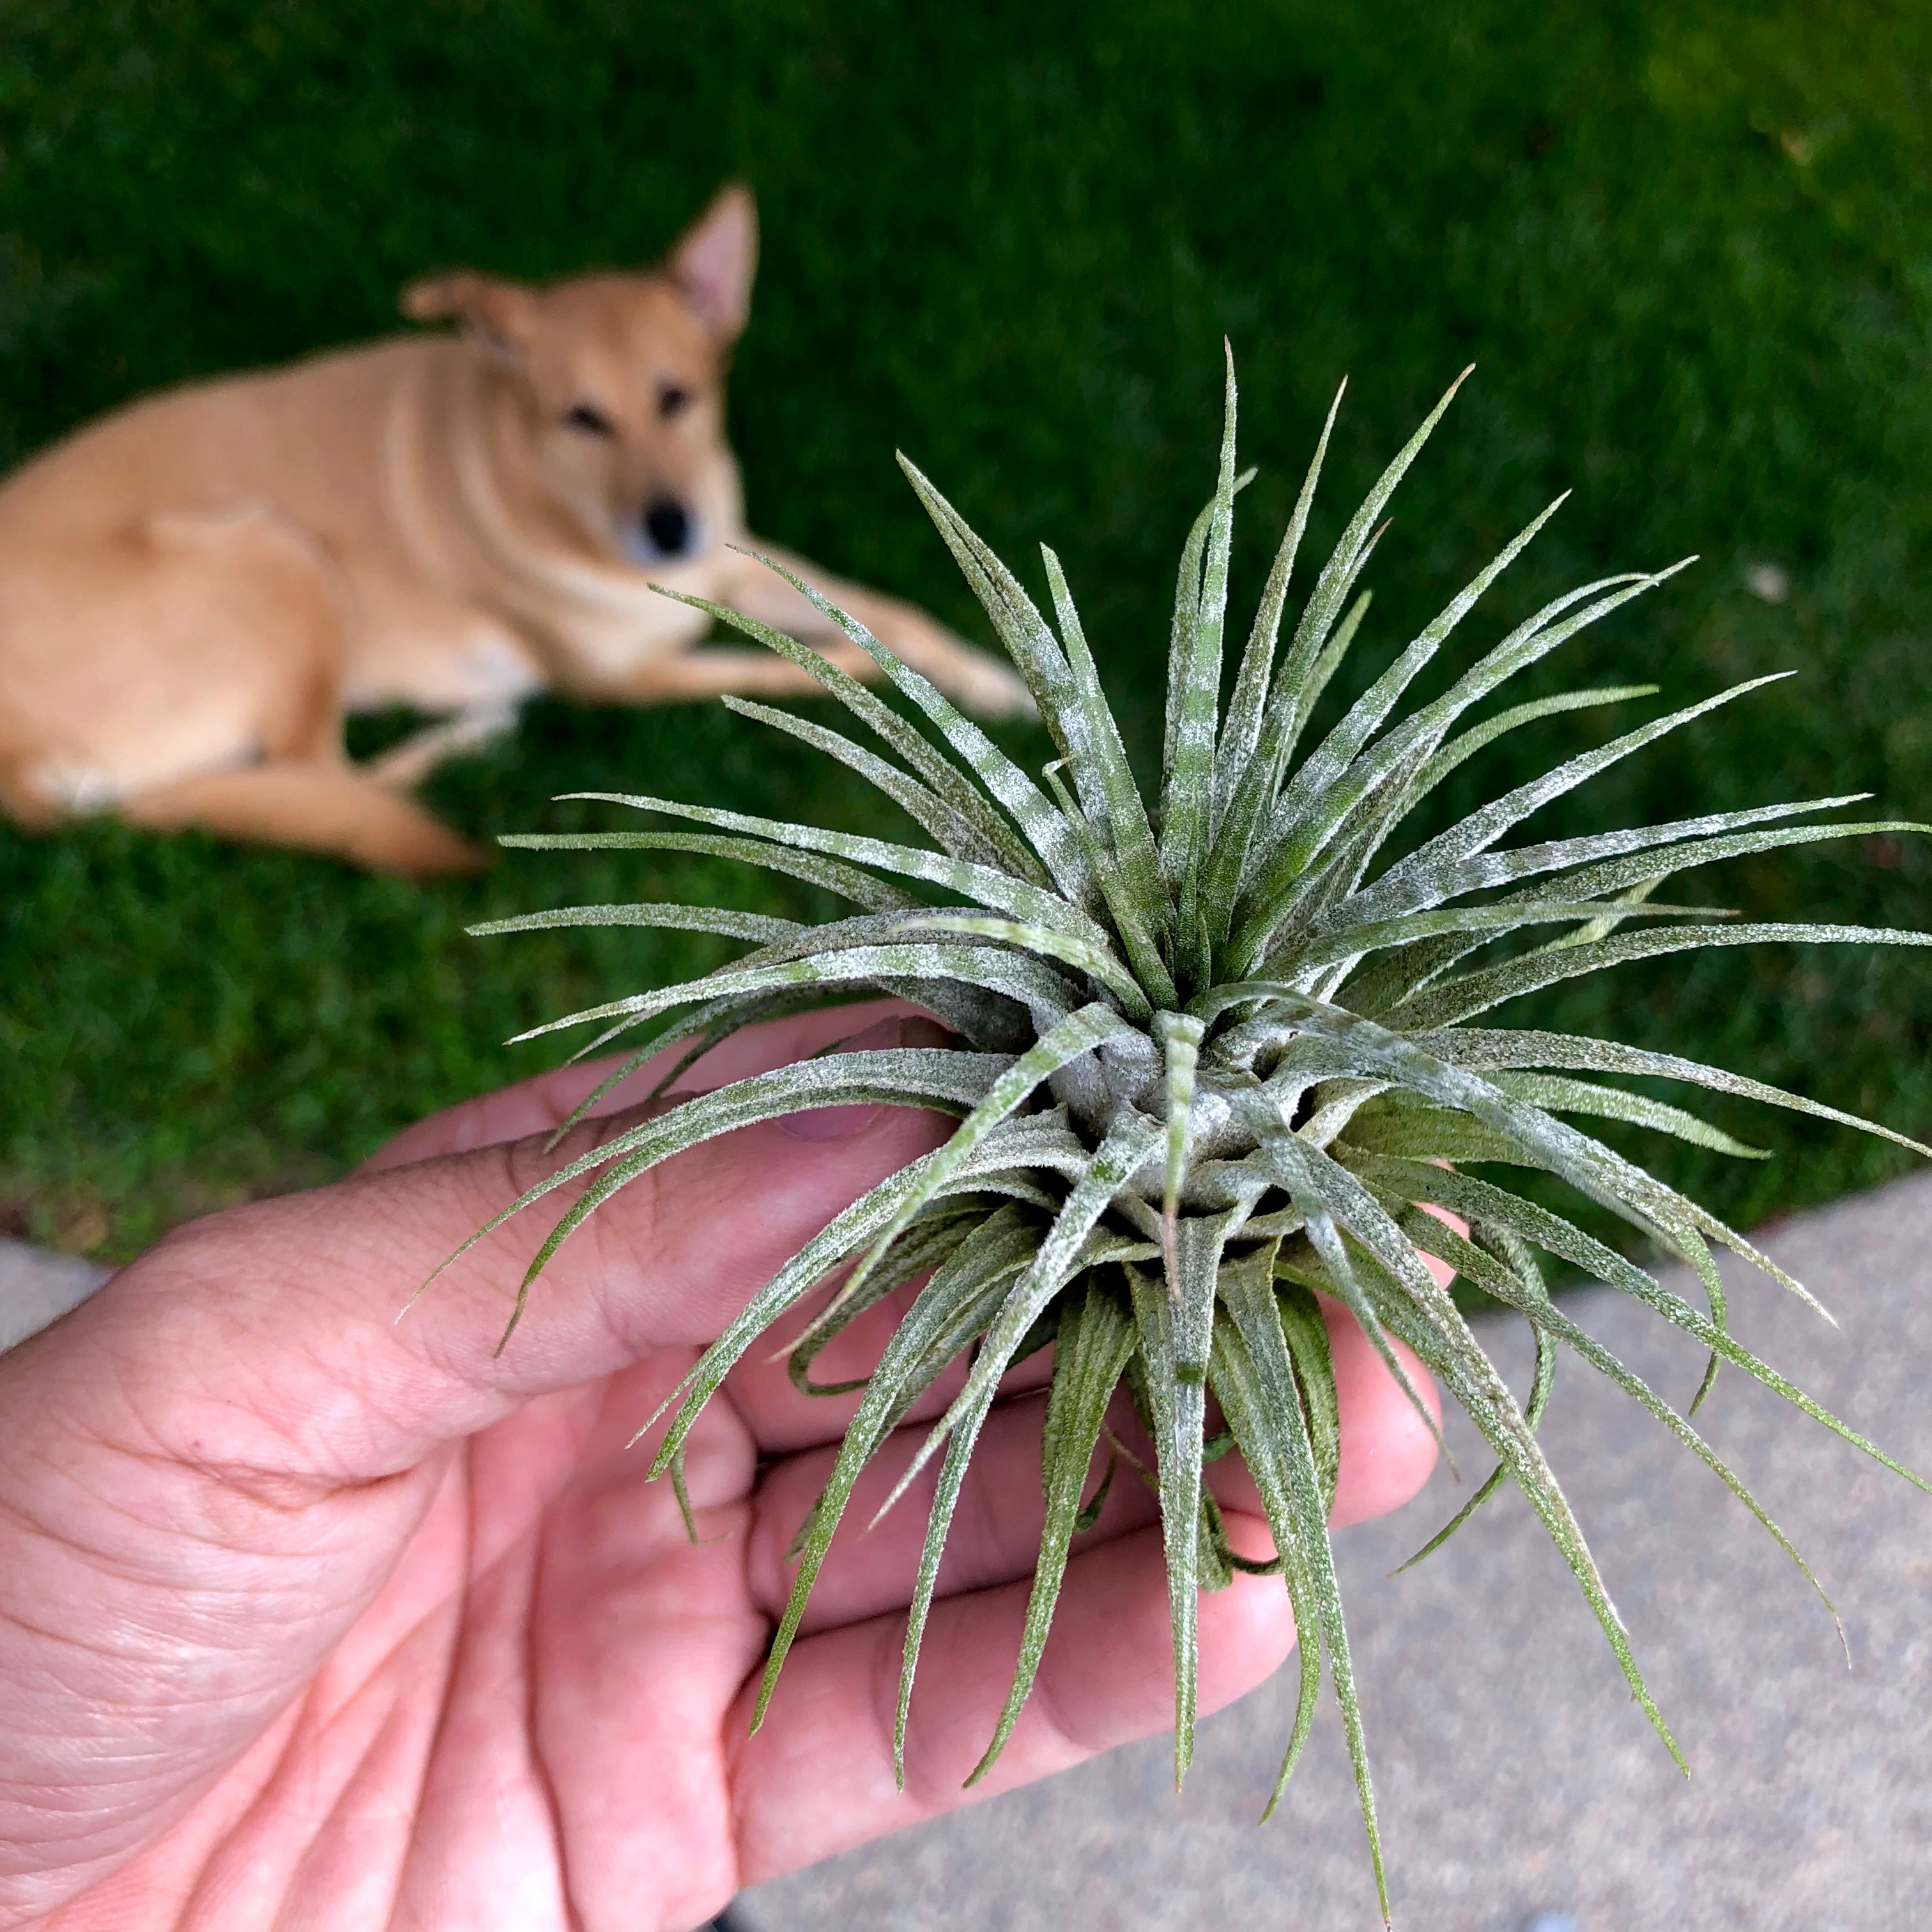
x,y
1194,676
1556,1095
1506,1286
836,935
1642,871
1533,640
1358,824
1423,1131
1454,1000
1056,1261
942,823
1355,814
906,1077
1322,1197
797,1279
1458,750
1332,584
1242,733
1587,1164
1255,1378
1186,605
1180,1035
684,918
995,967
1500,868
1028,640
953,1307
1129,873
1334,652
1332,1105
1059,1255
1462,1194
1099,963
1174,1321
1340,749
1405,761
924,1245
1078,1034
1091,1352
699,1029
930,763
1480,1049
1354,941
1258,1432
847,881
1454,1355
1532,1414
1306,1332
1044,832
985,884
1483,828
1239,849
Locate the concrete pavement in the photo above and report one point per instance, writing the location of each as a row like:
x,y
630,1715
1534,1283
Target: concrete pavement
x,y
36,1288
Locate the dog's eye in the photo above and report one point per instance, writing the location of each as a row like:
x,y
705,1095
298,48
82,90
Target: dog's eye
x,y
589,419
673,401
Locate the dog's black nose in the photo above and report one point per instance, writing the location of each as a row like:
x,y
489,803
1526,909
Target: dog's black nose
x,y
669,524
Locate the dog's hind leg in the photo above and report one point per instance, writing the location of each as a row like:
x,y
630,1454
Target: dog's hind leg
x,y
267,608
316,807
267,605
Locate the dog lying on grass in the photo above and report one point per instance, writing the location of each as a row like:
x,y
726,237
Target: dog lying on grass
x,y
195,590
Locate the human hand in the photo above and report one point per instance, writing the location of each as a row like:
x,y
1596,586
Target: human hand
x,y
309,1617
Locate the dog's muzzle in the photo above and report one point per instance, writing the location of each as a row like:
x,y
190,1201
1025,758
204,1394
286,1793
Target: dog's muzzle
x,y
666,531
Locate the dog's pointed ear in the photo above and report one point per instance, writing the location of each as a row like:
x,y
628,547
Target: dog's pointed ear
x,y
713,264
501,315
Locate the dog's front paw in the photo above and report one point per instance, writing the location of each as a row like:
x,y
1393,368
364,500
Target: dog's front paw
x,y
991,689
971,677
974,679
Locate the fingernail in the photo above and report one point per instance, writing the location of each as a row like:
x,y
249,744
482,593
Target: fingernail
x,y
907,1030
920,1031
829,1123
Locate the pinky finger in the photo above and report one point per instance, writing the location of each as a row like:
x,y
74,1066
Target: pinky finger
x,y
818,1778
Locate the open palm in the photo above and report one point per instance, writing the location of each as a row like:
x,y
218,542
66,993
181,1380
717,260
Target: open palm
x,y
309,1617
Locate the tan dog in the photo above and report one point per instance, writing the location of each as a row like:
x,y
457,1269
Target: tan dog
x,y
196,589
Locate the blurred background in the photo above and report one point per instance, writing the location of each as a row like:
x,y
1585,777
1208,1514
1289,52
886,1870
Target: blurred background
x,y
1688,247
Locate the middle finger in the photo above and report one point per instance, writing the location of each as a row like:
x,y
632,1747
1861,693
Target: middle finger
x,y
1387,1455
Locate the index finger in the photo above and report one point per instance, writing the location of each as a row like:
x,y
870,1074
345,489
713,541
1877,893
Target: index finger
x,y
289,1308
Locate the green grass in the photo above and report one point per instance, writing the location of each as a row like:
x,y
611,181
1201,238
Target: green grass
x,y
1689,247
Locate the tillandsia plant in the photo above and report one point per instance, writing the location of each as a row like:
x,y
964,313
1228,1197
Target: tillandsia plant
x,y
1218,1057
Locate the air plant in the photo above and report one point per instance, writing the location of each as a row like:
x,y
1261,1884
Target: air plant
x,y
1219,1056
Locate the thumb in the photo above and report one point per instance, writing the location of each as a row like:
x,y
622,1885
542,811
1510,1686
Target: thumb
x,y
273,1329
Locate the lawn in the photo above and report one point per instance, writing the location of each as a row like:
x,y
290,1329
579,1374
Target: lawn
x,y
1688,247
